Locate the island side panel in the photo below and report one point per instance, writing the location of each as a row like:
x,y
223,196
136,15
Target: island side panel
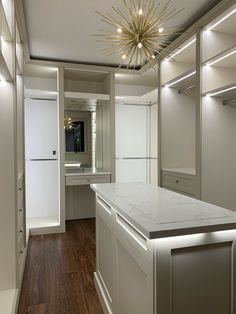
x,y
195,274
124,270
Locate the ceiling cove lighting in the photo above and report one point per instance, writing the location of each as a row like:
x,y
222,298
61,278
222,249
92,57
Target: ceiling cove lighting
x,y
221,20
221,58
181,79
181,49
221,91
138,32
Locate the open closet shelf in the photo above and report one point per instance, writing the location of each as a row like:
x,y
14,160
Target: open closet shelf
x,y
37,93
6,68
89,96
226,59
226,93
185,81
188,171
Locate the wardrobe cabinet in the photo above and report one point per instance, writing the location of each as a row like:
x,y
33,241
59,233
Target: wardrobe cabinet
x,y
219,110
12,209
197,110
178,118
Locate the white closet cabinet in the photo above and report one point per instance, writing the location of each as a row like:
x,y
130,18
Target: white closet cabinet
x,y
178,119
12,209
132,150
219,110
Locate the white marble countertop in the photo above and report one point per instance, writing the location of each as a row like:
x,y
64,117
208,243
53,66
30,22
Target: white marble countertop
x,y
85,172
190,171
159,213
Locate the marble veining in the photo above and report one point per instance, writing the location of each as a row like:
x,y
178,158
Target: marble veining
x,y
157,212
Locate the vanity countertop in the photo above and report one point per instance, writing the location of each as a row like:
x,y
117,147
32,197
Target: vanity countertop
x,y
85,172
158,213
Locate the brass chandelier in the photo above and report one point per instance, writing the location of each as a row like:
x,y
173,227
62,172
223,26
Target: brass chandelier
x,y
138,35
68,123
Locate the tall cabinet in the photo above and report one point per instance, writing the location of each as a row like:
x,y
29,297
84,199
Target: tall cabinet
x,y
197,110
219,110
12,216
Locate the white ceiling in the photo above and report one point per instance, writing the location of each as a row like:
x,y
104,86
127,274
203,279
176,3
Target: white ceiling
x,y
63,29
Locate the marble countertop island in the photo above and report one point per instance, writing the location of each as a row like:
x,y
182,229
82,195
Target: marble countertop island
x,y
158,213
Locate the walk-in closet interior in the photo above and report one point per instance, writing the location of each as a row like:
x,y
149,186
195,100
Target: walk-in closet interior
x,y
92,142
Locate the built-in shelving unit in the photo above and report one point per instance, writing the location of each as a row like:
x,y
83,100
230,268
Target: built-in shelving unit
x,y
178,118
89,97
13,234
6,41
41,83
218,109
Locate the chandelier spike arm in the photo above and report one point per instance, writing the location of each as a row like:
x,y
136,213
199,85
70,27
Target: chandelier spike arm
x,y
139,34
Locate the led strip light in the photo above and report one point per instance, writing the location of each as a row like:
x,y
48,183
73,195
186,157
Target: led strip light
x,y
181,79
221,20
221,58
181,49
221,91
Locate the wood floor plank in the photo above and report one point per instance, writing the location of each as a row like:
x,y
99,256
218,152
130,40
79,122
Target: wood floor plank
x,y
58,276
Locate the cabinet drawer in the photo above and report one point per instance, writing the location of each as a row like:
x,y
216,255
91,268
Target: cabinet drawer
x,y
179,182
84,180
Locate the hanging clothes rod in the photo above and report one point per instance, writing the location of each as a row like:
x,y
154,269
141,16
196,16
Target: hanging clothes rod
x,y
36,98
181,91
226,102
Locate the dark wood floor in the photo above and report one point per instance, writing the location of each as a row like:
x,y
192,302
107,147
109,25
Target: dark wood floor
x,y
59,270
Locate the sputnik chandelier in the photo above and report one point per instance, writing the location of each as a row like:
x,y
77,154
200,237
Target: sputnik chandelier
x,y
139,34
68,123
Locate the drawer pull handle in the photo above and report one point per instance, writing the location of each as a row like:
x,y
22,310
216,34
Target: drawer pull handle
x,y
21,210
176,181
21,252
21,231
104,205
135,234
20,189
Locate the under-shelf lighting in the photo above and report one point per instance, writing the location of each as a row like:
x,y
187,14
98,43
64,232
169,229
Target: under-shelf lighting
x,y
221,58
222,91
181,49
181,79
221,20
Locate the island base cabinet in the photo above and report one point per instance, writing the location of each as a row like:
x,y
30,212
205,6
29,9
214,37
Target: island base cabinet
x,y
124,271
194,274
186,274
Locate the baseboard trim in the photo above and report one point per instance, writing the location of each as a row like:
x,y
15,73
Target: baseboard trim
x,y
101,295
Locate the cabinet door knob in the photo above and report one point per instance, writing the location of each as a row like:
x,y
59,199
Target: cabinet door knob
x,y
177,181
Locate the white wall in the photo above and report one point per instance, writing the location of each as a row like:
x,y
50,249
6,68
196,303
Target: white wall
x,y
177,129
219,153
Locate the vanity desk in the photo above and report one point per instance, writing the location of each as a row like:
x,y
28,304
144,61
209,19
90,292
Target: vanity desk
x,y
80,199
161,252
